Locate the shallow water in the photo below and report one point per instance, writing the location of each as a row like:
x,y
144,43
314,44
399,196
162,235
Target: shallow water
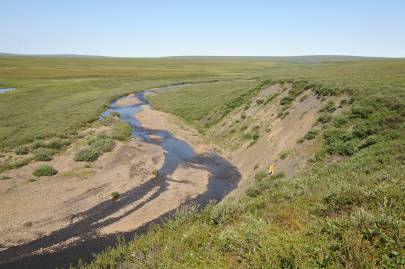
x,y
224,177
7,90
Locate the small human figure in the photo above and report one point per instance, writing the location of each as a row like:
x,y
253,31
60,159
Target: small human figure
x,y
271,169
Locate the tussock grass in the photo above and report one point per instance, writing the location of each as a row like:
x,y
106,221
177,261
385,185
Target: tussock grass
x,y
44,170
96,146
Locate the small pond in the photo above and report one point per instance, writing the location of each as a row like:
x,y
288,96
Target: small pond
x,y
7,90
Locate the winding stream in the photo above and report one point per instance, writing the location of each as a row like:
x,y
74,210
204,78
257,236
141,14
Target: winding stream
x,y
224,177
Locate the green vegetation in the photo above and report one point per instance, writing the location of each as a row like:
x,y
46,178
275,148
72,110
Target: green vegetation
x,y
203,105
270,98
155,173
57,96
95,147
115,195
337,214
21,150
79,172
259,176
346,214
331,217
328,107
57,143
325,117
311,134
284,154
122,131
42,154
297,88
44,170
15,164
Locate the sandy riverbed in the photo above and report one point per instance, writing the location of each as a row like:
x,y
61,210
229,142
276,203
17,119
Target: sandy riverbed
x,y
130,100
33,210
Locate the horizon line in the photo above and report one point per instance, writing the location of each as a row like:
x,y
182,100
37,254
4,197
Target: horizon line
x,y
196,55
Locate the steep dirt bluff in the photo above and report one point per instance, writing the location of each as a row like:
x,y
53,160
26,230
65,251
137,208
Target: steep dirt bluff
x,y
267,130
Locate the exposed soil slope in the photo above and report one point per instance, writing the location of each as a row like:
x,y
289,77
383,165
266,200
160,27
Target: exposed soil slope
x,y
263,132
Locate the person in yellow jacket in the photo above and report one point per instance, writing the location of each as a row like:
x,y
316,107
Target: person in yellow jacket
x,y
271,169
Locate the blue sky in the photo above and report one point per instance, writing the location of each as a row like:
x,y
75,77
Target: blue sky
x,y
141,28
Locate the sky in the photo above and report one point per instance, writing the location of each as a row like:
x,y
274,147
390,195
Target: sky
x,y
152,28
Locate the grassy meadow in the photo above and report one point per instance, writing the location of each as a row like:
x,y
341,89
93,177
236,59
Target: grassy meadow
x,y
345,211
56,96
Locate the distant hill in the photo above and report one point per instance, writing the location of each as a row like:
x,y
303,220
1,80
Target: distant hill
x,y
294,59
52,55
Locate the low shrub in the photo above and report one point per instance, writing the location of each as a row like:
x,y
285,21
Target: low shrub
x,y
43,155
338,141
277,175
122,131
340,121
311,134
20,163
260,175
44,170
270,98
115,195
286,100
21,150
302,99
4,177
285,114
102,143
329,107
87,155
254,136
259,101
284,154
58,143
38,144
96,146
325,117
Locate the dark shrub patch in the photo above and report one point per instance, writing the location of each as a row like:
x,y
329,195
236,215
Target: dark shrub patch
x,y
259,101
270,98
45,170
311,134
365,128
324,117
